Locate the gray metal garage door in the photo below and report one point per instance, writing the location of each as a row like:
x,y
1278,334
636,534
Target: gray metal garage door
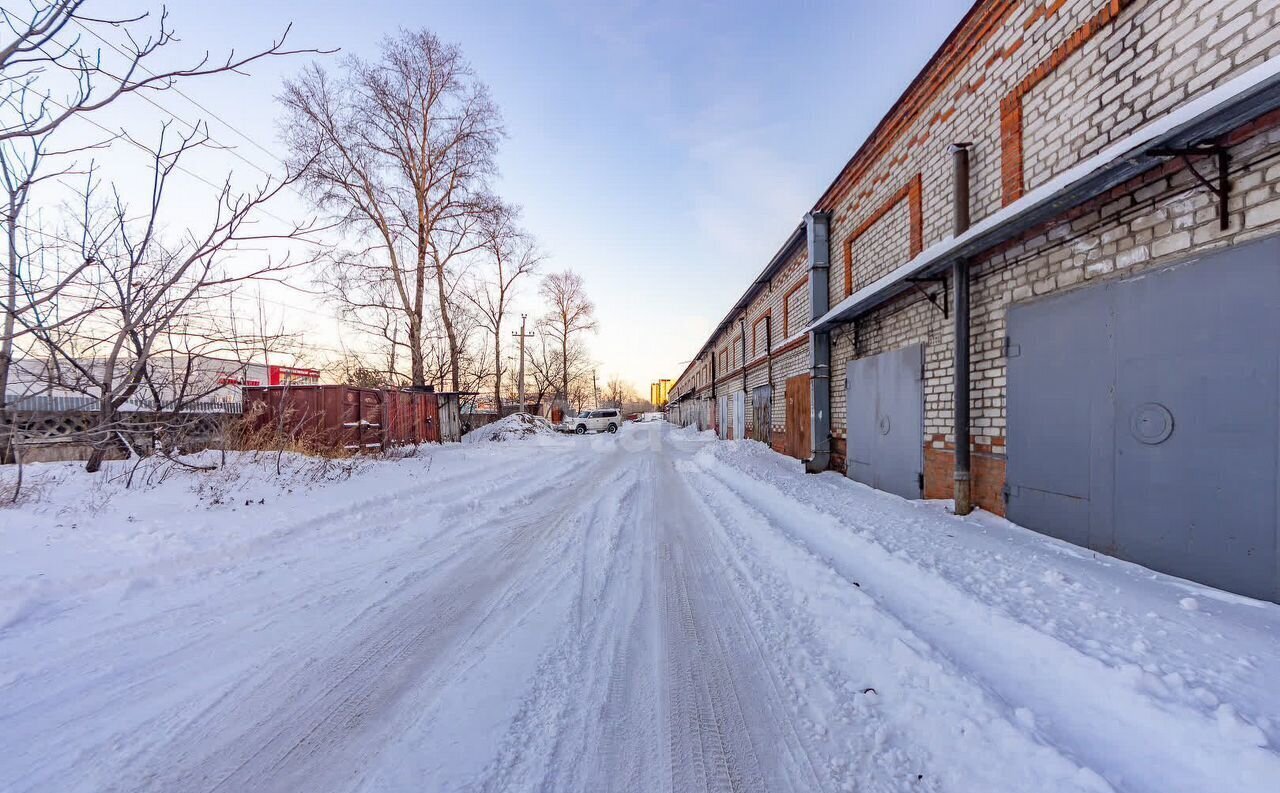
x,y
1144,418
886,420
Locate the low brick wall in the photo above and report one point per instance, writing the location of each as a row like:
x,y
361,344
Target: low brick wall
x,y
839,456
986,473
57,436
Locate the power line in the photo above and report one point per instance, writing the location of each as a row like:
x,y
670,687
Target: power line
x,y
230,149
219,189
180,93
284,304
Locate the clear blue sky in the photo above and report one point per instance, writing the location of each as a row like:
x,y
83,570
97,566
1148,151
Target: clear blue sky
x,y
662,149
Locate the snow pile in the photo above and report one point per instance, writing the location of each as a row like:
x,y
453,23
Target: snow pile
x,y
690,432
70,523
510,428
597,616
1113,665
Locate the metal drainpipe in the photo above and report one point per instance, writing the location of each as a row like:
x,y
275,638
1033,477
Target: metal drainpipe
x,y
768,350
817,227
960,342
768,354
713,372
714,404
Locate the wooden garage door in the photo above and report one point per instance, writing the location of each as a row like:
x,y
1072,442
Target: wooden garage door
x,y
762,413
799,443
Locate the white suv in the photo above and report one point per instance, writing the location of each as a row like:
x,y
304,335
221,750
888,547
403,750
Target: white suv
x,y
607,420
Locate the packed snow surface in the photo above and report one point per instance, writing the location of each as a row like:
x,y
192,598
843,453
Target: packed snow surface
x,y
648,611
510,428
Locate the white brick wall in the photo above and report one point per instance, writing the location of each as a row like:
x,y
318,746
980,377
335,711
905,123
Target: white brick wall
x,y
1154,56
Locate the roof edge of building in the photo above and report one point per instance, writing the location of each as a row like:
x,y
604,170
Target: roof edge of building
x,y
976,21
796,238
1236,102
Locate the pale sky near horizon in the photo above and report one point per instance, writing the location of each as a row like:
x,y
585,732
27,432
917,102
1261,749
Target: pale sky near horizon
x,y
664,150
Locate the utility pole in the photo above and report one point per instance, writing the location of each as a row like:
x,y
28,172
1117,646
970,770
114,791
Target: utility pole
x,y
522,336
595,390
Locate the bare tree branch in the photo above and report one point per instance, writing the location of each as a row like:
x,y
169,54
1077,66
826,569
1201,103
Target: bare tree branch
x,y
401,152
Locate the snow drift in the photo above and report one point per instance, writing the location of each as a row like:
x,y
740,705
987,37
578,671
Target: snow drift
x,y
510,428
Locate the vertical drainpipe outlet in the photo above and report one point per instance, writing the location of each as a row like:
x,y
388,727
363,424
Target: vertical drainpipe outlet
x,y
714,409
818,233
768,350
713,372
960,343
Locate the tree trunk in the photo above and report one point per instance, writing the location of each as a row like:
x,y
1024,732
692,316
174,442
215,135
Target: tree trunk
x,y
11,304
497,367
564,367
8,452
417,369
455,374
101,437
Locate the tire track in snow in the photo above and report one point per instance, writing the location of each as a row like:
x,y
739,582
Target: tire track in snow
x,y
729,729
314,718
567,716
654,680
1084,709
80,697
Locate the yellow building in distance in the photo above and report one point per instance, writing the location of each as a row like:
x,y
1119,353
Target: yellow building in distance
x,y
658,393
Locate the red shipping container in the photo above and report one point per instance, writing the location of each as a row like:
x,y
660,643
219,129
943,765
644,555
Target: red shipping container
x,y
328,416
412,416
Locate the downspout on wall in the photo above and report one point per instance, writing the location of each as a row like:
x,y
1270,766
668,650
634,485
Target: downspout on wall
x,y
818,233
742,334
768,351
712,410
713,373
960,341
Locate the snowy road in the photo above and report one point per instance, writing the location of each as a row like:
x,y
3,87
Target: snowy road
x,y
653,611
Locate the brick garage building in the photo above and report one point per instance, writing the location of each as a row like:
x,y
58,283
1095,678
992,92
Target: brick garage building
x,y
1088,192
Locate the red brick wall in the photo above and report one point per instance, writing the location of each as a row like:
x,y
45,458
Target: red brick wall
x,y
1011,170
838,455
779,441
987,472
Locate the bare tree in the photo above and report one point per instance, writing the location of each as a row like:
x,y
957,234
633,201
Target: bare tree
x,y
621,394
570,314
353,369
510,255
374,316
581,392
19,170
52,73
52,70
401,152
543,369
616,392
142,292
